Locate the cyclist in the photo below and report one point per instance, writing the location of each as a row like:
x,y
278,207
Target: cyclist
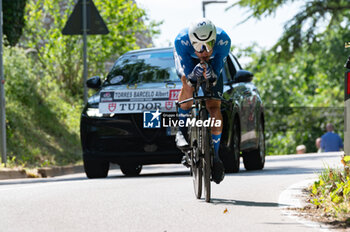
x,y
201,50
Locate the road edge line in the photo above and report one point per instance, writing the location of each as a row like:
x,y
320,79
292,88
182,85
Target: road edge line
x,y
290,198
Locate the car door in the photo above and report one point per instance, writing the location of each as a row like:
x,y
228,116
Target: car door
x,y
235,92
245,96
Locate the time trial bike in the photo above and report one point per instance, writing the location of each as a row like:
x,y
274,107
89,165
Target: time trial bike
x,y
201,150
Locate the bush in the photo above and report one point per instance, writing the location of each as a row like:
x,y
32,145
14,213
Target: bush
x,y
332,191
302,93
42,121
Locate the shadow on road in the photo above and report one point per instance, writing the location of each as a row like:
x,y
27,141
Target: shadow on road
x,y
161,171
217,201
83,178
159,174
287,170
308,157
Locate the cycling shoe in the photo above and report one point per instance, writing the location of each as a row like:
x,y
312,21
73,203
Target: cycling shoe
x,y
181,141
218,171
185,162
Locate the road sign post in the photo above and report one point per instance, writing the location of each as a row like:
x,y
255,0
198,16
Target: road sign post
x,y
85,20
347,113
347,105
2,96
84,51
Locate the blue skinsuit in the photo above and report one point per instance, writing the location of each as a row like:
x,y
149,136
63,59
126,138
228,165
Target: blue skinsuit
x,y
186,59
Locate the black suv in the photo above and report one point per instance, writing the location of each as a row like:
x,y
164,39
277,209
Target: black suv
x,y
113,121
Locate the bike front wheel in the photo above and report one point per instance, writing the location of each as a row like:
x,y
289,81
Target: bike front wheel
x,y
196,168
196,165
207,158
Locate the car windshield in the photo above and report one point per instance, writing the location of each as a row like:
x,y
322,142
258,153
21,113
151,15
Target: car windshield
x,y
143,67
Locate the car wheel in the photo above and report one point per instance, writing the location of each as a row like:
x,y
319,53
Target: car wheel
x,y
231,160
131,169
255,159
96,168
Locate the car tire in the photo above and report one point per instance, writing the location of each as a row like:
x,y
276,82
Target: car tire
x,y
232,154
131,169
96,168
255,159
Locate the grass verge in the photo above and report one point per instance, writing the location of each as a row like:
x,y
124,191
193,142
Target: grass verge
x,y
42,119
330,196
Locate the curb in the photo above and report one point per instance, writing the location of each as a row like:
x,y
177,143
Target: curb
x,y
8,173
291,197
59,171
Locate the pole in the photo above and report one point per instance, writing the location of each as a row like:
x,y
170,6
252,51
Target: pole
x,y
2,97
347,112
206,2
85,51
203,9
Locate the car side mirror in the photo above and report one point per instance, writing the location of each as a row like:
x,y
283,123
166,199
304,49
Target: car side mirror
x,y
243,76
94,82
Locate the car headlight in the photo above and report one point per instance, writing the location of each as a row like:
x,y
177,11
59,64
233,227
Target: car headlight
x,y
93,112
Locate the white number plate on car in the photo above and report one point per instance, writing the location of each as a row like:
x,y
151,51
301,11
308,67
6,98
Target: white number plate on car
x,y
138,101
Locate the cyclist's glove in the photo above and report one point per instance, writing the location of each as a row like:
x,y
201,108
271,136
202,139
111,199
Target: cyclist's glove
x,y
196,73
211,76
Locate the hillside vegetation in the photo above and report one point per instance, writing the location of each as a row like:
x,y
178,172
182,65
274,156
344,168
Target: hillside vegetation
x,y
42,120
43,74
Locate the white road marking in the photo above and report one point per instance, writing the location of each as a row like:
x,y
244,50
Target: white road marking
x,y
290,198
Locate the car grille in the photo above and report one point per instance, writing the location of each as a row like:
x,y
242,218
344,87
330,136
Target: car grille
x,y
148,134
130,145
125,133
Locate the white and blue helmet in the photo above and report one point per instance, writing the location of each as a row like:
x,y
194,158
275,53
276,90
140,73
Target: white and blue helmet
x,y
202,34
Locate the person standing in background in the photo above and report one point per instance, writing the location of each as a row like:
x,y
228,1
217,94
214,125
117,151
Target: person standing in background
x,y
331,141
301,149
318,145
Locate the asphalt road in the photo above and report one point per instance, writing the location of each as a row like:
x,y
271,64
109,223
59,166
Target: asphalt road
x,y
161,199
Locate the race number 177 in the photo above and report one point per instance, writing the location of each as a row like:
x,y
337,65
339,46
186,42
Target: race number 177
x,y
174,94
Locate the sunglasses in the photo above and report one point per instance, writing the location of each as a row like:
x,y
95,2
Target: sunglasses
x,y
205,46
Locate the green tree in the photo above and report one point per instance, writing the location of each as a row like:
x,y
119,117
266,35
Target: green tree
x,y
13,16
61,56
303,28
301,78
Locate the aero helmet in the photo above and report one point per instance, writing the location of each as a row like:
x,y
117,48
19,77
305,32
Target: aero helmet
x,y
202,35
